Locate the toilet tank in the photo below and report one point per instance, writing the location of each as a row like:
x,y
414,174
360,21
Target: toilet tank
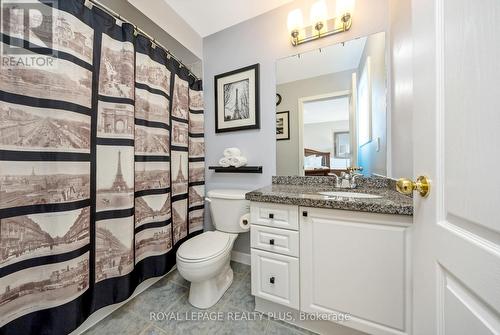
x,y
227,206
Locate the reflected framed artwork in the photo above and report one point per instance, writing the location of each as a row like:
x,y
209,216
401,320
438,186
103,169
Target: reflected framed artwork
x,y
342,143
283,125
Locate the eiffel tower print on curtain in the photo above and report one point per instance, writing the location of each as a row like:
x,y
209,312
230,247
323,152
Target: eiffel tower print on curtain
x,y
119,184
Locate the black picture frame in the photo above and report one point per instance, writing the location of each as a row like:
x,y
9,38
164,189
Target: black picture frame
x,y
285,126
336,140
256,89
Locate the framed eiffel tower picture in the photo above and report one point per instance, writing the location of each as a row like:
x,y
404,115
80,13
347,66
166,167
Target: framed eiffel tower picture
x,y
237,104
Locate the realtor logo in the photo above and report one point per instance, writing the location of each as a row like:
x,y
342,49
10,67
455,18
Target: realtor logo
x,y
27,32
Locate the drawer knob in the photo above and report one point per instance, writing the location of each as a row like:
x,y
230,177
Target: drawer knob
x,y
271,215
304,213
272,280
271,241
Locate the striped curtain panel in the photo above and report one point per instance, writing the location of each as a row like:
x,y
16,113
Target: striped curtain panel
x,y
101,166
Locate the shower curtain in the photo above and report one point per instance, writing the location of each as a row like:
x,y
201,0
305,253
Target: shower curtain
x,y
101,168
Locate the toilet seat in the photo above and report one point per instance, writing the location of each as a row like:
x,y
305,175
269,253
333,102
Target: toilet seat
x,y
206,246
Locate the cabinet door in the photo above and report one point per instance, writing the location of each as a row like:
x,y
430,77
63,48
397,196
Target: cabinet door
x,y
353,263
275,278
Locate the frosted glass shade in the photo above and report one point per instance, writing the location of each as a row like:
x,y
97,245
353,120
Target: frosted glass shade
x,y
295,20
345,6
319,13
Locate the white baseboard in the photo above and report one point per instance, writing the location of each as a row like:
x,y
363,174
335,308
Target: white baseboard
x,y
240,257
102,313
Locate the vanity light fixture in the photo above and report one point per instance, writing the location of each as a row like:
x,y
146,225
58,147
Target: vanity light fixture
x,y
295,23
320,25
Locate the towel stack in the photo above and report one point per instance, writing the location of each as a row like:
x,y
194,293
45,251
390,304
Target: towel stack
x,y
232,157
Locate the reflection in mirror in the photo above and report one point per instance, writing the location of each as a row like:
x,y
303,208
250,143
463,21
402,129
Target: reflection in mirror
x,y
335,99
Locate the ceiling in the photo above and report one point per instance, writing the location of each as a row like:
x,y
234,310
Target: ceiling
x,y
183,35
335,58
327,110
208,17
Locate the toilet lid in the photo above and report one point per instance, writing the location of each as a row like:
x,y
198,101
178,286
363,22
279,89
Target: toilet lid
x,y
204,246
228,194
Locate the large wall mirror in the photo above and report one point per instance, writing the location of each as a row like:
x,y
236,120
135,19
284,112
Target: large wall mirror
x,y
332,109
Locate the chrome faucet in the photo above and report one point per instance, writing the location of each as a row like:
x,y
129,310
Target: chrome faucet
x,y
347,180
352,180
338,181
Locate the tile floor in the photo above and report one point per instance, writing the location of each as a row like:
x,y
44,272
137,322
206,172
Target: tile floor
x,y
170,294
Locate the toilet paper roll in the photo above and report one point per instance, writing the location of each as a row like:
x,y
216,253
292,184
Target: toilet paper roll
x,y
245,222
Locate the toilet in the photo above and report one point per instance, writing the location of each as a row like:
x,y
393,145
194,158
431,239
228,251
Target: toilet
x,y
204,259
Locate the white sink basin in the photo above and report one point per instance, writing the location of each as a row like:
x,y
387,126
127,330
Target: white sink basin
x,y
350,195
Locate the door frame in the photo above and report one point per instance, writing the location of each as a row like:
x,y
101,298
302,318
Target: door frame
x,y
326,96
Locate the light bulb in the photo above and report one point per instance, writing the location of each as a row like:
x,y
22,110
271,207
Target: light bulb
x,y
319,16
295,21
344,7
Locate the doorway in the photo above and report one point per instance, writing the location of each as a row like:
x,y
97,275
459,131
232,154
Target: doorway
x,y
326,138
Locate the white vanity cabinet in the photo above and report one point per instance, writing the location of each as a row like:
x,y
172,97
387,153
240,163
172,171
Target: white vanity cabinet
x,y
335,261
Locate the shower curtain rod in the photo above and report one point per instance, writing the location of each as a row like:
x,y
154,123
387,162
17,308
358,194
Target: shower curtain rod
x,y
140,31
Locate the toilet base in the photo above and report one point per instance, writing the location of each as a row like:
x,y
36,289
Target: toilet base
x,y
207,293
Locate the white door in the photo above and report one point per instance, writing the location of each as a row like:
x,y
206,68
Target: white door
x,y
457,144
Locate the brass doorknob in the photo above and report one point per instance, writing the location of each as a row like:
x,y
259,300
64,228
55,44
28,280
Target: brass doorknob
x,y
407,186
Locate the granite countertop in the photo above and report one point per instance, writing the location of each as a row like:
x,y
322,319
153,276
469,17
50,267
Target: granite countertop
x,y
303,191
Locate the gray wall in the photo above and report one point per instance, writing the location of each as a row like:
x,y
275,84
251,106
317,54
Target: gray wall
x,y
264,39
287,152
130,13
369,158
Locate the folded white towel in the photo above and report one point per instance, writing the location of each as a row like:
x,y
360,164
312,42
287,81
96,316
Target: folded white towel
x,y
232,152
238,161
224,162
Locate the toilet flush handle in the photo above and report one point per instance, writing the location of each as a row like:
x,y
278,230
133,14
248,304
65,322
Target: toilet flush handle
x,y
208,200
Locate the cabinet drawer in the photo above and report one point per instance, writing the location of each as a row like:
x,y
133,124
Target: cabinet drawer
x,y
281,241
274,215
275,278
